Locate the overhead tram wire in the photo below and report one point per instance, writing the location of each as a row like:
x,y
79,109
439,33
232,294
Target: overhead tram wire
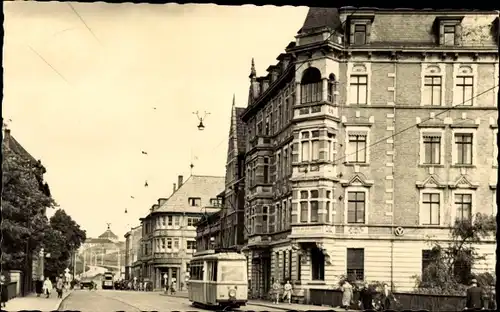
x,y
445,110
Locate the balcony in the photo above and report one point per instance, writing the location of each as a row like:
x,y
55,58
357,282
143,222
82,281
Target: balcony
x,y
261,142
309,231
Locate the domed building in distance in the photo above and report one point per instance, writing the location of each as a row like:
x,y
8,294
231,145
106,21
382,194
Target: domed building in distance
x,y
106,251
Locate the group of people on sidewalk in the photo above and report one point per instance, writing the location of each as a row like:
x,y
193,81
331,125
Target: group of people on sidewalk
x,y
45,286
42,286
371,299
366,295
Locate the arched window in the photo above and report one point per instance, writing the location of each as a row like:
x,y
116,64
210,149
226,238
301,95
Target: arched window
x,y
311,86
332,89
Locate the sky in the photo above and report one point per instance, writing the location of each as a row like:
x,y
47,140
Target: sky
x,y
89,86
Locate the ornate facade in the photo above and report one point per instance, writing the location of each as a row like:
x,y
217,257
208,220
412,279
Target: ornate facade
x,y
375,130
226,228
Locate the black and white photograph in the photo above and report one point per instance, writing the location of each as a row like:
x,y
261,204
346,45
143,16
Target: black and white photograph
x,y
210,157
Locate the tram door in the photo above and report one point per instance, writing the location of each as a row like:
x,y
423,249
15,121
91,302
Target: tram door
x,y
210,285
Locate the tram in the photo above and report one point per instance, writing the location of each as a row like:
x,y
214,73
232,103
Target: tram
x,y
107,280
218,278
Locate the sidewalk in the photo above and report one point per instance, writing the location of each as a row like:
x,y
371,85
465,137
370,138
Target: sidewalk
x,y
268,304
32,302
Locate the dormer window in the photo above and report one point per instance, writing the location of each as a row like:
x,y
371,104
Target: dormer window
x,y
194,201
359,34
360,28
449,30
216,202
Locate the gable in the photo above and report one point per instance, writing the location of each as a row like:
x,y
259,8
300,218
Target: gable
x,y
357,180
432,181
463,182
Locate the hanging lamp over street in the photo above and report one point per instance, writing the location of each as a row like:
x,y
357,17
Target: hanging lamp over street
x,y
201,126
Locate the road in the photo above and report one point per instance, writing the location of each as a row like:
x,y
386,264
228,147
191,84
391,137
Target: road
x,y
116,300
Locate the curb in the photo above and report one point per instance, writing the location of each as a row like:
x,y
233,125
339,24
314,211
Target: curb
x,y
175,296
58,306
288,309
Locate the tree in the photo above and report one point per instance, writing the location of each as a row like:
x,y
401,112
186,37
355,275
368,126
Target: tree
x,y
25,199
74,235
55,247
450,269
62,238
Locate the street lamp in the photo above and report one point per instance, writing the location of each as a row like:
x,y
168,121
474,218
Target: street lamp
x,y
201,126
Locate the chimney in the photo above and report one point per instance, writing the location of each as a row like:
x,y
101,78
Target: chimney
x,y
173,191
6,136
179,181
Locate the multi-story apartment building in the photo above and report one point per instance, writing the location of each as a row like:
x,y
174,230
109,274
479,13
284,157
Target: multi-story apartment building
x,y
376,130
231,215
169,232
132,249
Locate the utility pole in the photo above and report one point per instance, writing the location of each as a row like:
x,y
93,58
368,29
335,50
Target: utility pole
x,y
84,261
74,264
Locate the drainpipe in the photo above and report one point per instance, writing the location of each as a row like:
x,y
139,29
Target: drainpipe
x,y
393,171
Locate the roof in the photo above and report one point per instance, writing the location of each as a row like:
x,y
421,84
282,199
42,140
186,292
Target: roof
x,y
196,186
98,241
241,132
321,17
15,146
108,235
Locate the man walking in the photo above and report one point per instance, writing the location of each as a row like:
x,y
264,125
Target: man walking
x,y
366,297
287,293
59,286
388,298
276,291
475,298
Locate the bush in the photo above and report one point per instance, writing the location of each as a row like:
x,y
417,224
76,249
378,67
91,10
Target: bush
x,y
449,272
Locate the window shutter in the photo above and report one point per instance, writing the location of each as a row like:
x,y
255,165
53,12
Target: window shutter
x,y
368,32
441,34
458,34
351,33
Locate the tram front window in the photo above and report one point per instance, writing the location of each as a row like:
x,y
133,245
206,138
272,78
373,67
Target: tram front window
x,y
231,272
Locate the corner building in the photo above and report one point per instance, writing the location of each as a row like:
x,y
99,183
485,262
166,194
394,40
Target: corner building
x,y
375,131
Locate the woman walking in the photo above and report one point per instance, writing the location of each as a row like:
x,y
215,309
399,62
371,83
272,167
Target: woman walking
x,y
47,287
346,294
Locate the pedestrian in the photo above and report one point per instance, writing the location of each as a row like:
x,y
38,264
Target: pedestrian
x,y
287,293
346,289
366,297
4,290
387,298
59,286
39,286
47,287
492,302
276,291
475,299
172,287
